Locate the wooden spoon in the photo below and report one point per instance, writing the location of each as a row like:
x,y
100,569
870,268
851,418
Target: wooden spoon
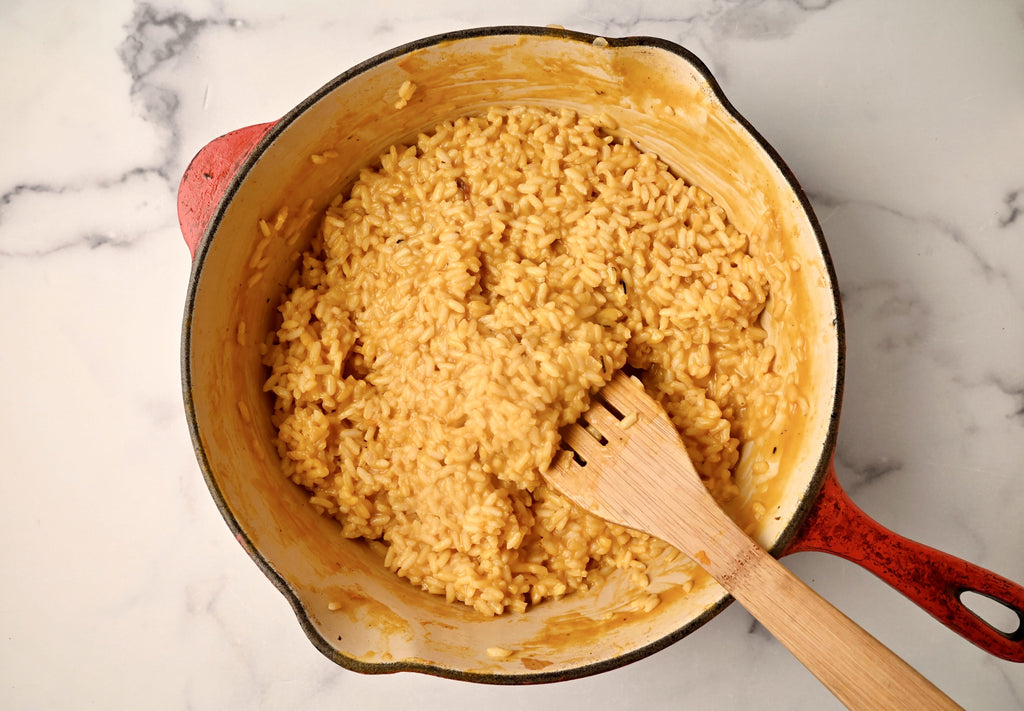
x,y
630,468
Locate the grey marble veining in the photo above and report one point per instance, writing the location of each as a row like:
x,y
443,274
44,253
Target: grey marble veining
x,y
904,123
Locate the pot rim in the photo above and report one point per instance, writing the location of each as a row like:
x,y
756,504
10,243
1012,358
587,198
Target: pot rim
x,y
807,498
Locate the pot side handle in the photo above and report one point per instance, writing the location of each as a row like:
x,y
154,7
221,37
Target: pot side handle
x,y
934,580
207,178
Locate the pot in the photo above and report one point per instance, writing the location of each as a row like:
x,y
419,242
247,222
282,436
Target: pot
x,y
355,611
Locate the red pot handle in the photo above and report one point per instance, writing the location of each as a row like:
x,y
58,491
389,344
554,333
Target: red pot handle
x,y
207,177
934,580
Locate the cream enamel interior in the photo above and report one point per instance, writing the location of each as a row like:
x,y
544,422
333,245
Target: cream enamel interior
x,y
662,101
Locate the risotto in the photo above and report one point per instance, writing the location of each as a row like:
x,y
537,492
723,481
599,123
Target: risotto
x,y
459,305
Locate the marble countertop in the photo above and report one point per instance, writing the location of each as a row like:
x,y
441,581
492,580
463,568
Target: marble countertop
x,y
123,588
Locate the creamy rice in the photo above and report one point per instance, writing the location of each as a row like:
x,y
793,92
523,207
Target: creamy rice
x,y
460,304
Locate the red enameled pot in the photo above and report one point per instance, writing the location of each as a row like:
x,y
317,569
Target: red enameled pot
x,y
383,626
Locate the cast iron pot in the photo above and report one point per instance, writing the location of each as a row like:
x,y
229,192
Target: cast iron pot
x,y
353,610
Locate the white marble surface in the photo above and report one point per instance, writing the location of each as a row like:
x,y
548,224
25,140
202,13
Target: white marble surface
x,y
123,588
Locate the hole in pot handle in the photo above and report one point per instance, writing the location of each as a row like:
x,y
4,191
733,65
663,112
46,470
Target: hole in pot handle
x,y
936,581
207,178
993,612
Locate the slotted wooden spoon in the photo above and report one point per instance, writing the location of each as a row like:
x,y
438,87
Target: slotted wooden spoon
x,y
634,471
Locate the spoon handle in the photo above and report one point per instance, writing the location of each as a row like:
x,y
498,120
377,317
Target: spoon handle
x,y
861,671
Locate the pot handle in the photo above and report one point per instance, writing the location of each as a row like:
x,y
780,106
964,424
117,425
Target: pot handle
x,y
207,178
934,580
